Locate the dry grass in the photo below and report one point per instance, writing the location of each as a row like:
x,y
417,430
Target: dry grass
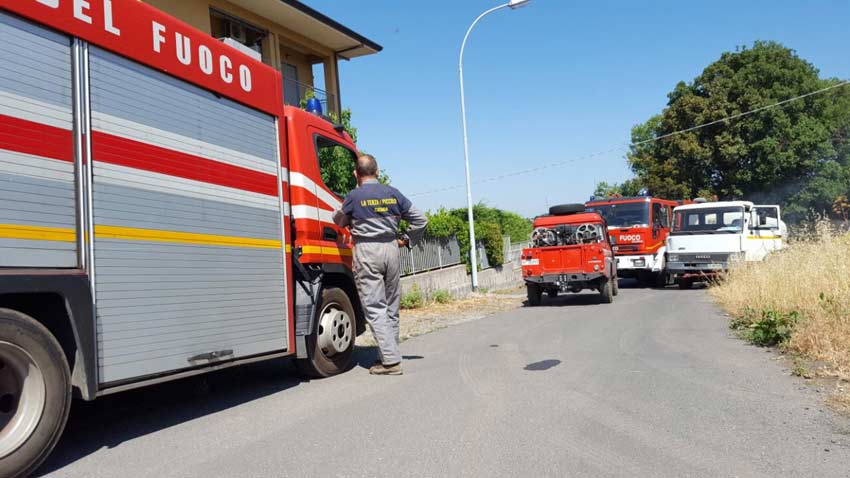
x,y
812,278
435,316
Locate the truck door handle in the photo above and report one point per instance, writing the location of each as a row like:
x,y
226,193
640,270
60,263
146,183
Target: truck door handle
x,y
216,355
329,234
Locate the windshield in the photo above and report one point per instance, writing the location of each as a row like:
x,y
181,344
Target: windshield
x,y
624,214
709,220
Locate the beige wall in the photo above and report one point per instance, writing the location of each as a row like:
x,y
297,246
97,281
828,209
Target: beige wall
x,y
282,45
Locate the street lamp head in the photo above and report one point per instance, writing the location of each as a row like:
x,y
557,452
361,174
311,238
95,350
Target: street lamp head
x,y
518,3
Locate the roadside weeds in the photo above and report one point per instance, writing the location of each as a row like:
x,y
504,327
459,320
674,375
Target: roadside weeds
x,y
799,300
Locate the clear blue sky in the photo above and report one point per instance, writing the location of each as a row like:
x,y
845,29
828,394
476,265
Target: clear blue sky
x,y
552,81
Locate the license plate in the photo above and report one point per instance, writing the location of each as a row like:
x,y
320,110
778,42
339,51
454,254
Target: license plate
x,y
715,266
532,262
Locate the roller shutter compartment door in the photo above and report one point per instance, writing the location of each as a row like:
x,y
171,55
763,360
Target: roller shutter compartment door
x,y
37,197
188,255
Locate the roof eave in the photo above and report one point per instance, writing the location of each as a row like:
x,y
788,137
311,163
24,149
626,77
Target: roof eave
x,y
365,46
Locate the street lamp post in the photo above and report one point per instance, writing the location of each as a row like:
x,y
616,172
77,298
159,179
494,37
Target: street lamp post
x,y
473,251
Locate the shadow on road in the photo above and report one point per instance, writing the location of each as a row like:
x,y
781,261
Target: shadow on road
x,y
365,356
542,365
113,419
568,299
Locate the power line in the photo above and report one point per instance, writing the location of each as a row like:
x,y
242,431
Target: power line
x,y
629,145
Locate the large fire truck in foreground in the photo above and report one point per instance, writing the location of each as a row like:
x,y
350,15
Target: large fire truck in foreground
x,y
162,214
639,227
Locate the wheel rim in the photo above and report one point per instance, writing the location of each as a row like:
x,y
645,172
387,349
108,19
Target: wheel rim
x,y
23,395
335,330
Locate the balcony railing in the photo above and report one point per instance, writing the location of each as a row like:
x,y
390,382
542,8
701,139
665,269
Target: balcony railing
x,y
296,93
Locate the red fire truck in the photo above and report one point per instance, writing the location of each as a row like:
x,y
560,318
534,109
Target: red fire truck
x,y
570,252
638,227
162,214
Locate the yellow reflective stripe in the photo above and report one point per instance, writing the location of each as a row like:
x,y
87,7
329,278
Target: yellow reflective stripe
x,y
764,237
37,233
133,234
334,251
42,233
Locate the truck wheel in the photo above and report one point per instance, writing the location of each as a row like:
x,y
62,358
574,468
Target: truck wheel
x,y
331,345
535,295
615,286
35,393
685,284
660,279
607,292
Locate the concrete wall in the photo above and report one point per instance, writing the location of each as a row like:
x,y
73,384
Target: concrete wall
x,y
458,283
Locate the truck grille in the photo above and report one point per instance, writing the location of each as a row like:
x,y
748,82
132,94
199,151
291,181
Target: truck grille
x,y
699,258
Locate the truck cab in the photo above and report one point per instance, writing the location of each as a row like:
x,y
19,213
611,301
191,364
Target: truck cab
x,y
638,228
570,252
709,237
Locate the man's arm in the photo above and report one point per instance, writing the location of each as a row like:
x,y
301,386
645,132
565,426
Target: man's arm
x,y
416,220
342,216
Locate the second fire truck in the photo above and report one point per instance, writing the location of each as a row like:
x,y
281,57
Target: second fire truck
x,y
638,228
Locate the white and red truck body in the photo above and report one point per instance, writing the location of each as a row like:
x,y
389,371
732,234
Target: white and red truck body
x,y
157,192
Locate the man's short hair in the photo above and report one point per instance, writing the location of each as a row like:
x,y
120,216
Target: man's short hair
x,y
366,165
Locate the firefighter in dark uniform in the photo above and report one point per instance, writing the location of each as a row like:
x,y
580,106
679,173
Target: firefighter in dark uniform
x,y
373,211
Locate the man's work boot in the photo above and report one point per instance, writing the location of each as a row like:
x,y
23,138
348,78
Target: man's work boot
x,y
381,369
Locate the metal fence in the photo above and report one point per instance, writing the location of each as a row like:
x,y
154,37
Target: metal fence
x,y
513,251
430,254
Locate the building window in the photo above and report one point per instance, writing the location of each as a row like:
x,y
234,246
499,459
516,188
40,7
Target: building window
x,y
223,26
291,86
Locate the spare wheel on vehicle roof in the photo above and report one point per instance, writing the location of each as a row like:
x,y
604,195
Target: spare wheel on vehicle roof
x,y
563,209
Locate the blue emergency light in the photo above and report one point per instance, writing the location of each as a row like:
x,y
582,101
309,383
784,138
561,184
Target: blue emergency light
x,y
314,105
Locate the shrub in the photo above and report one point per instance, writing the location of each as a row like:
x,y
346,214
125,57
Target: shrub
x,y
441,296
412,299
773,328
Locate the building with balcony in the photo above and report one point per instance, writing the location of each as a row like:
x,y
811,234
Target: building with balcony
x,y
300,42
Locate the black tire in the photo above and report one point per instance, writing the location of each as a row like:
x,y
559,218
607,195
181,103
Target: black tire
x,y
320,364
535,294
615,286
552,293
685,284
607,292
660,279
21,332
564,209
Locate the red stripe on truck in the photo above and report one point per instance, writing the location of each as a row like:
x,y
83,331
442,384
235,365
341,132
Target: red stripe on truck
x,y
133,154
38,139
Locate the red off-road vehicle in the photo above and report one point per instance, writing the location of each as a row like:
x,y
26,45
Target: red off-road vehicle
x,y
571,252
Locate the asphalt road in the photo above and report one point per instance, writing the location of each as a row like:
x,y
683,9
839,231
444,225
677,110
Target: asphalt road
x,y
652,385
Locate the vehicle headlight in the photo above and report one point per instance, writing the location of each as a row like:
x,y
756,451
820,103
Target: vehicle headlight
x,y
673,257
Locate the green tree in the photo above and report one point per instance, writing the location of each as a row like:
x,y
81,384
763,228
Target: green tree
x,y
797,154
629,187
336,163
491,224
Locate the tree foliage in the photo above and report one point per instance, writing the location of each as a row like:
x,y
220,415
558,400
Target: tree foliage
x,y
629,187
336,164
491,224
797,155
